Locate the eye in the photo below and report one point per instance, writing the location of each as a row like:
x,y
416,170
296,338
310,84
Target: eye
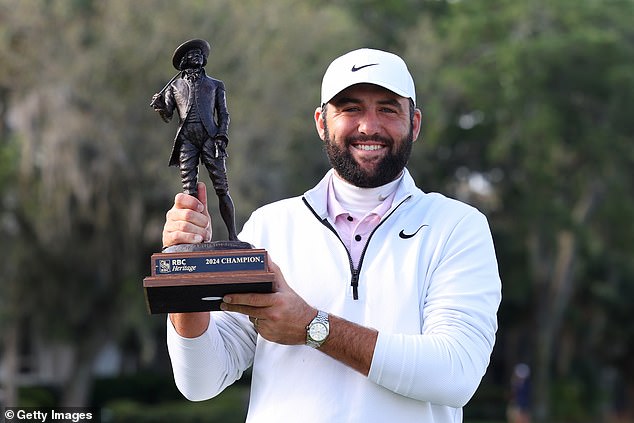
x,y
350,109
388,110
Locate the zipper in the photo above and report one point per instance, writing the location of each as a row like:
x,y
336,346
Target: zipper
x,y
355,272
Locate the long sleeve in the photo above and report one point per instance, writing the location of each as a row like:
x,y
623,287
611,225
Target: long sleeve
x,y
204,366
167,112
429,284
446,362
222,112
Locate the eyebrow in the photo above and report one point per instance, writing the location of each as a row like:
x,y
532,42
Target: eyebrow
x,y
347,100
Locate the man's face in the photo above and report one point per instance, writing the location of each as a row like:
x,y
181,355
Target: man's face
x,y
368,134
193,59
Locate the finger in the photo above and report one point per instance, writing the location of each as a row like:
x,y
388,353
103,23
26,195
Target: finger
x,y
182,233
185,228
186,201
250,311
246,303
174,238
177,219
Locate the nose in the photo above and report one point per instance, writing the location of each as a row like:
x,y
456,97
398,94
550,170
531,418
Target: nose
x,y
369,123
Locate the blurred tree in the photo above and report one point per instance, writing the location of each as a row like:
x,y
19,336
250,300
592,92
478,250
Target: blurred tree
x,y
84,197
526,114
384,21
78,216
9,312
528,107
272,70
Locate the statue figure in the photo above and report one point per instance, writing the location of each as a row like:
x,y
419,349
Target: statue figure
x,y
202,134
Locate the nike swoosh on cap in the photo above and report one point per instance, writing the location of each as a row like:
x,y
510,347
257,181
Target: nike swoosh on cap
x,y
355,68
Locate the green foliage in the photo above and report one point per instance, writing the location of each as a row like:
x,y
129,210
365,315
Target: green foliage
x,y
152,397
384,21
88,184
488,403
8,154
529,93
37,396
533,98
143,387
231,409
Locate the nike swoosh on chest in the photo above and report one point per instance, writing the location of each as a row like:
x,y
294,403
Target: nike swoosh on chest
x,y
403,235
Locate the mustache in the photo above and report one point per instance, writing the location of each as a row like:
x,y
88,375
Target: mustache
x,y
365,138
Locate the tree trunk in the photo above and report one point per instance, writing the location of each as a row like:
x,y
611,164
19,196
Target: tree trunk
x,y
554,289
11,364
551,307
77,389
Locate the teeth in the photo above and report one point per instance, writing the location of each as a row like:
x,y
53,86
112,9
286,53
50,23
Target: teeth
x,y
373,147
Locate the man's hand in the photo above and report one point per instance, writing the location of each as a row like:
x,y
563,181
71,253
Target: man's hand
x,y
282,316
220,145
188,221
222,141
158,102
159,105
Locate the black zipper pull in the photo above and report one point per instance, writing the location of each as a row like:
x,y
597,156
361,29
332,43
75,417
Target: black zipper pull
x,y
355,284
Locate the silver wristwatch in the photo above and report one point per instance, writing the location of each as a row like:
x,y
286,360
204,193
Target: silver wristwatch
x,y
318,330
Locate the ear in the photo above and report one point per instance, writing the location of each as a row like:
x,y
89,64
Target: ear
x,y
417,123
319,122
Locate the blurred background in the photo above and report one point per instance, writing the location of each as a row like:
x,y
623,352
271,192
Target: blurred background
x,y
527,115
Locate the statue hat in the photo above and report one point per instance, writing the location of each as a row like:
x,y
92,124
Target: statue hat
x,y
182,50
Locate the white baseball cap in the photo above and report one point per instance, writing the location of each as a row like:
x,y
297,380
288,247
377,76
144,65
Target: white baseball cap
x,y
368,66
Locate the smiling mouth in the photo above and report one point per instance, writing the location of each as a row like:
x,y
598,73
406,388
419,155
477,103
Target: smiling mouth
x,y
368,147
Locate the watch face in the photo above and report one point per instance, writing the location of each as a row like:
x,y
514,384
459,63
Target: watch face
x,y
318,332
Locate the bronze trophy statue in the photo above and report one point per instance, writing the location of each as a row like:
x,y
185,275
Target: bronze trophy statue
x,y
193,277
202,134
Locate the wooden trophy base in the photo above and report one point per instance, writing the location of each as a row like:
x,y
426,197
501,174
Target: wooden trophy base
x,y
188,278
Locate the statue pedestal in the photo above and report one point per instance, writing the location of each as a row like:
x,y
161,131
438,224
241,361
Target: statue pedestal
x,y
194,277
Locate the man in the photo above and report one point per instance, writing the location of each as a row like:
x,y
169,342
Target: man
x,y
385,296
203,124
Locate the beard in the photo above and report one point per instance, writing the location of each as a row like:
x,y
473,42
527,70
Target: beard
x,y
385,171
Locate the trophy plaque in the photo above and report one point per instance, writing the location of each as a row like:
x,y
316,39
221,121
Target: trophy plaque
x,y
194,277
